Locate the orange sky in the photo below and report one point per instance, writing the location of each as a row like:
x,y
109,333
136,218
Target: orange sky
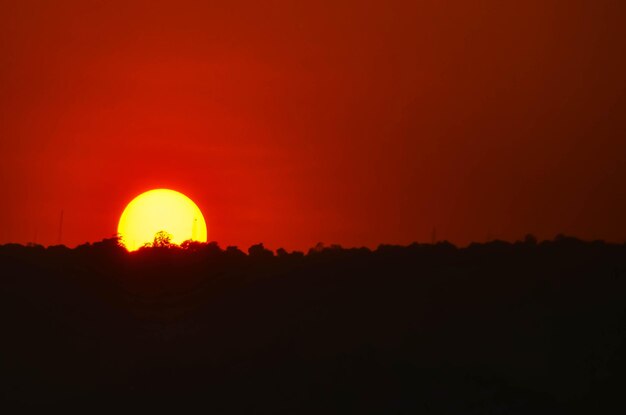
x,y
294,122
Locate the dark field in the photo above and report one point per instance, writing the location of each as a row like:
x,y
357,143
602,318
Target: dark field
x,y
523,328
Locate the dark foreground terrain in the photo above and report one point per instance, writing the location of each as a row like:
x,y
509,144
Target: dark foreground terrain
x,y
498,328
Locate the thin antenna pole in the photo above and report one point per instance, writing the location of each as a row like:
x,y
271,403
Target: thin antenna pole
x,y
61,228
434,236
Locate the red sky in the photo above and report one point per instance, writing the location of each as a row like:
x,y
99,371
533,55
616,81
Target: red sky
x,y
294,122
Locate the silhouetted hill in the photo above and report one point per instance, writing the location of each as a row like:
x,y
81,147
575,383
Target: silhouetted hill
x,y
511,328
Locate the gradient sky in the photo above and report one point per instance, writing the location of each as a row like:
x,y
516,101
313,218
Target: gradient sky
x,y
294,122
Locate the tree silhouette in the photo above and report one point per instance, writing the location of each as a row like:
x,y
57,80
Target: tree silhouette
x,y
525,327
259,251
162,239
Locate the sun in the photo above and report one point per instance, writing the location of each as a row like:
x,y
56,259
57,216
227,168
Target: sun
x,y
161,210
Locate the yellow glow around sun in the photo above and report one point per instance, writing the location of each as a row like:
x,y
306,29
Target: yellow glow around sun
x,y
161,210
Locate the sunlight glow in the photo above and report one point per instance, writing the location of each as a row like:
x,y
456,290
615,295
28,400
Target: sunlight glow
x,y
161,210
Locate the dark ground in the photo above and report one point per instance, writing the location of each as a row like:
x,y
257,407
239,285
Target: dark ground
x,y
498,328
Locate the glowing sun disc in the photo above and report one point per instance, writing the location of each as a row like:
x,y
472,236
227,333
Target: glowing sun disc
x,y
161,210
